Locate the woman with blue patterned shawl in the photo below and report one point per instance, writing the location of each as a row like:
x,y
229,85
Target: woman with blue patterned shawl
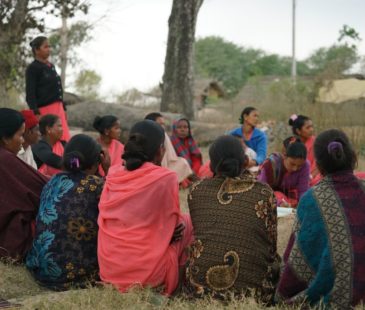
x,y
64,252
324,260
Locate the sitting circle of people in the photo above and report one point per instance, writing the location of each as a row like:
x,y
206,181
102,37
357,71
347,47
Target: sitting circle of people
x,y
83,211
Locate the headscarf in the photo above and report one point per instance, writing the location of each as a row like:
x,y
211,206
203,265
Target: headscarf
x,y
10,122
183,149
30,119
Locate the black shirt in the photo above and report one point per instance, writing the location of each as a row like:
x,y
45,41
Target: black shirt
x,y
43,85
43,154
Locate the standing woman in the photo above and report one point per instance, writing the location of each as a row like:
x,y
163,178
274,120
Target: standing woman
x,y
302,127
254,138
109,128
44,93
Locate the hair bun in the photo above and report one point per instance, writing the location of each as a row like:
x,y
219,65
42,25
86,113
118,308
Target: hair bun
x,y
335,149
229,167
74,161
96,123
292,119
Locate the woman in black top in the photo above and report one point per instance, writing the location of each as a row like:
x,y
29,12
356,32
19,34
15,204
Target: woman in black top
x,y
44,92
49,150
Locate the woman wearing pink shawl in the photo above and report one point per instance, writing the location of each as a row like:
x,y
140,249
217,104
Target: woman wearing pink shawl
x,y
142,233
109,128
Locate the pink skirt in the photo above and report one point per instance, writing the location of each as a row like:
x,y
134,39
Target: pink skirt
x,y
56,108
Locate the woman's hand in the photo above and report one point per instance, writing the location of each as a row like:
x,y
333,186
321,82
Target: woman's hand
x,y
178,232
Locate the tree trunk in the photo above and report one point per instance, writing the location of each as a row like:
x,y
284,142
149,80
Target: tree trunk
x,y
11,35
63,50
178,78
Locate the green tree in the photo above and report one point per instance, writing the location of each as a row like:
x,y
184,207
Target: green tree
x,y
232,65
225,61
87,84
77,34
336,58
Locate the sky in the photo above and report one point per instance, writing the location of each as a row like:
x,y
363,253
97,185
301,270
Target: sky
x,y
129,42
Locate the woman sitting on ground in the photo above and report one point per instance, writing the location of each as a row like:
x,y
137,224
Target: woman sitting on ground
x,y
302,127
235,227
142,232
185,145
287,173
64,252
170,160
108,127
20,189
254,138
31,136
324,260
49,150
205,171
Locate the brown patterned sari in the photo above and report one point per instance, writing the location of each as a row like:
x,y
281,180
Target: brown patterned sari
x,y
235,226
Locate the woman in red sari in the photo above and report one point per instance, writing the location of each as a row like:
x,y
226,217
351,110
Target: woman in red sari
x,y
20,189
49,150
108,127
44,92
142,232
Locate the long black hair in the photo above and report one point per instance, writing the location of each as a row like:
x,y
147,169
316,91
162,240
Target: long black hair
x,y
102,123
294,148
296,122
81,153
333,152
10,122
246,111
36,43
47,120
146,138
227,156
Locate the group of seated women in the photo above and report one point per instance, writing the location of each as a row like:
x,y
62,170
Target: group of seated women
x,y
121,223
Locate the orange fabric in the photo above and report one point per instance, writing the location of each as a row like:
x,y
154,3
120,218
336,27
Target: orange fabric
x,y
284,201
138,212
56,108
309,144
360,175
116,150
315,175
48,170
204,171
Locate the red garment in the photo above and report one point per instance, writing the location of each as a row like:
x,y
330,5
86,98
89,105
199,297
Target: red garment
x,y
138,212
205,171
56,108
20,191
48,170
315,175
116,150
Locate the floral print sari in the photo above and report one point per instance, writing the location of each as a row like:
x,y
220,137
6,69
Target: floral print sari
x,y
64,251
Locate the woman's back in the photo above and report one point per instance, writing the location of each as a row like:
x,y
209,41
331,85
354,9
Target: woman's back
x,y
139,211
64,248
235,227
